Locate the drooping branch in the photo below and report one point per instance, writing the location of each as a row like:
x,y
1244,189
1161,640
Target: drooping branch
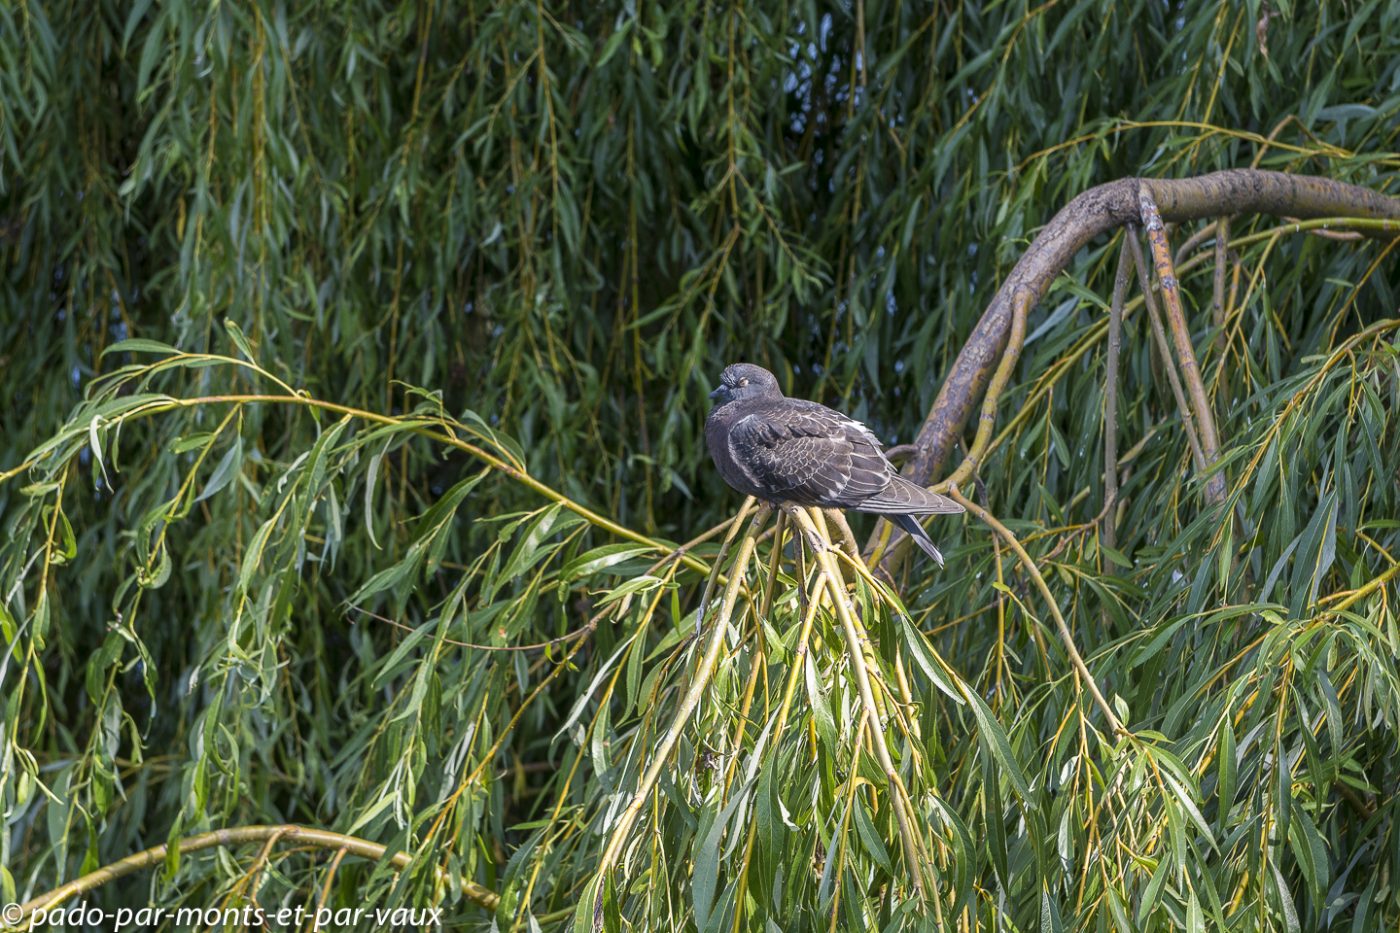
x,y
1164,351
1101,210
1222,258
1020,307
905,816
1181,336
704,670
305,836
1110,394
1061,626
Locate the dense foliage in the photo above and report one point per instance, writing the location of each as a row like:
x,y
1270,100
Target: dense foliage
x,y
345,346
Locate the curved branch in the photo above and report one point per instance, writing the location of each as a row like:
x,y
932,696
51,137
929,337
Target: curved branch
x,y
704,670
1066,636
239,835
1101,210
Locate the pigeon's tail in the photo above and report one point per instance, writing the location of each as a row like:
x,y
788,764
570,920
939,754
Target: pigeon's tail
x,y
916,531
903,497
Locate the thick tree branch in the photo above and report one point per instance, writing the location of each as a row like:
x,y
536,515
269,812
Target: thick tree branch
x,y
1098,211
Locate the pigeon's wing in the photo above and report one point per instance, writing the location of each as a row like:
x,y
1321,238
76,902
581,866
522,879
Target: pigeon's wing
x,y
810,455
902,497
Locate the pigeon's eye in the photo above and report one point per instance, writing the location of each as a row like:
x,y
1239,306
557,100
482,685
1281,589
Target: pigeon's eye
x,y
743,382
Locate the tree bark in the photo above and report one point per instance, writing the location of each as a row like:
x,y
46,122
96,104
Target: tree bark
x,y
1098,211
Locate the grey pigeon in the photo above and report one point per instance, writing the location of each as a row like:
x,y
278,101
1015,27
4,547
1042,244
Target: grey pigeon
x,y
787,451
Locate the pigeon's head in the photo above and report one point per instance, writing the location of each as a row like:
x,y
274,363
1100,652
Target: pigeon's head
x,y
745,380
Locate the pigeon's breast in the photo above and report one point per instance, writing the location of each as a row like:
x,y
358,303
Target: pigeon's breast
x,y
717,427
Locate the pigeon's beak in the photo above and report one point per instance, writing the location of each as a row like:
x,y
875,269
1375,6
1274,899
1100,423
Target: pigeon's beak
x,y
719,390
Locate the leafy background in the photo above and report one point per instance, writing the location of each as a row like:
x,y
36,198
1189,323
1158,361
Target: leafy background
x,y
543,230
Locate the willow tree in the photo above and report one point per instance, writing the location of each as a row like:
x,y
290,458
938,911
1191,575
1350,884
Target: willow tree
x,y
360,548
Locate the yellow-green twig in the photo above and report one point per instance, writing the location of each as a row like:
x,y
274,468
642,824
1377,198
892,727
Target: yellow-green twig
x,y
622,828
1065,635
236,836
903,808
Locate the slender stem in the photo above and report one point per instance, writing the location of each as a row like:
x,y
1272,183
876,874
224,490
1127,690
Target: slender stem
x,y
889,538
799,659
236,836
903,809
330,878
441,431
1020,306
1159,334
1110,394
734,527
698,686
881,690
1349,598
1065,635
848,537
1222,262
758,661
852,787
1193,242
775,565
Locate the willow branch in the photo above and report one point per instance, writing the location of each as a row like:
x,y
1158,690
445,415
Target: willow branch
x,y
889,544
440,430
795,672
705,669
1194,241
856,650
236,836
1110,393
1101,210
1067,637
724,546
848,537
1020,306
1164,350
1181,336
1217,294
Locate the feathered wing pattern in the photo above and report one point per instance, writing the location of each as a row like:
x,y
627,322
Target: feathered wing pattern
x,y
903,497
799,452
811,455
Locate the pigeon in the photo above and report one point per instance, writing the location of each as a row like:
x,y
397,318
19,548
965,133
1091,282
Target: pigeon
x,y
791,452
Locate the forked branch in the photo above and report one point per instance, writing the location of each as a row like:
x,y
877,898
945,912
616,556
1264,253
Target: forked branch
x,y
1101,210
